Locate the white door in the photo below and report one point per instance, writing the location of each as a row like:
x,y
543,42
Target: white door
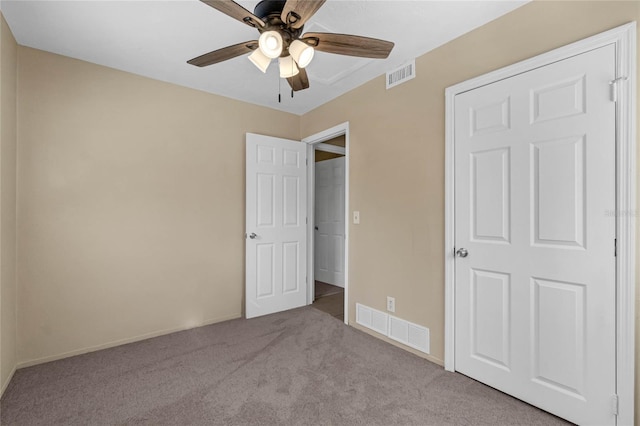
x,y
276,214
329,218
535,185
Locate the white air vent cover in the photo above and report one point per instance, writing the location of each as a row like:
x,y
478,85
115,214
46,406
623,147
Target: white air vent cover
x,y
410,334
401,74
371,318
403,331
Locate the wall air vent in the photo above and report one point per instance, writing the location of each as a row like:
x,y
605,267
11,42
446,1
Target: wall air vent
x,y
403,331
372,318
401,74
410,334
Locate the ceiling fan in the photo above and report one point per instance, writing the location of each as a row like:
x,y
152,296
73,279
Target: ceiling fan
x,y
280,23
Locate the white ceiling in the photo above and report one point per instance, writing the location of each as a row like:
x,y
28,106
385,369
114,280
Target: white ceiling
x,y
155,39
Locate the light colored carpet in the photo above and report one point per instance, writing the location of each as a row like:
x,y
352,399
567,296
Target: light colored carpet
x,y
300,367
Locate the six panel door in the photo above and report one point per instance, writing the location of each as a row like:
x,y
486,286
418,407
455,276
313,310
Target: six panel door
x,y
535,185
276,214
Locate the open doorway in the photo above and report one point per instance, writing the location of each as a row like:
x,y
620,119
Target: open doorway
x,y
329,226
328,215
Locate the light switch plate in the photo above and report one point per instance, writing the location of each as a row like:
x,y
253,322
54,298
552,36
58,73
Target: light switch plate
x,y
356,217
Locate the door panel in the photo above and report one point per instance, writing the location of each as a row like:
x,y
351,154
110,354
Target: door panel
x,y
491,317
535,176
490,205
276,258
558,311
558,191
329,218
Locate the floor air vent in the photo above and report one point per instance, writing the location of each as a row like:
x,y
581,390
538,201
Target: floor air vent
x,y
404,73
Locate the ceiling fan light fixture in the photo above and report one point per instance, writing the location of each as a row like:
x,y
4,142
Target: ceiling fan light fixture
x,y
301,52
288,67
259,60
280,24
270,43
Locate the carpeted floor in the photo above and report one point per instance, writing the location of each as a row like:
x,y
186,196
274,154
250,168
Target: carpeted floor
x,y
296,367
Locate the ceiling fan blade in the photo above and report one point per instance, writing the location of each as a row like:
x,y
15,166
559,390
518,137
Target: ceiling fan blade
x,y
297,12
224,54
344,44
233,9
299,81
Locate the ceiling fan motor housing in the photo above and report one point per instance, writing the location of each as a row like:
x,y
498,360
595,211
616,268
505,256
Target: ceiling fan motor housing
x,y
268,7
269,11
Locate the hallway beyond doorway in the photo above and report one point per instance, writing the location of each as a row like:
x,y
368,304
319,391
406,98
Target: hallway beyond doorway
x,y
330,299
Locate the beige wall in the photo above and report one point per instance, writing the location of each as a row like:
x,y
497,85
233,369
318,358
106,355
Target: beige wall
x,y
130,205
397,154
8,70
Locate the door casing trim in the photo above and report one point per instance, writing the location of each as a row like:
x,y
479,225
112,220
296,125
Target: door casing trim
x,y
311,141
624,38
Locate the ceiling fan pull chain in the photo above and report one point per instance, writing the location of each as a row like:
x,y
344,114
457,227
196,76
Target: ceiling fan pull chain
x,y
279,92
292,93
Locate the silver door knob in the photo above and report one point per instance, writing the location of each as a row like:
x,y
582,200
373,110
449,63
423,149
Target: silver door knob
x,y
253,235
462,252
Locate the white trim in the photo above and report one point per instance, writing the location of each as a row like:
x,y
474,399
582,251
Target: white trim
x,y
626,199
334,149
5,385
624,37
313,141
325,135
449,234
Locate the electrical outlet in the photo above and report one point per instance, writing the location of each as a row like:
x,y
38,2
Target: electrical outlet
x,y
356,217
391,304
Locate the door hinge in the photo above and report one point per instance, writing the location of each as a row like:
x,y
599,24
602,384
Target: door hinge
x,y
614,405
613,84
306,161
615,247
306,220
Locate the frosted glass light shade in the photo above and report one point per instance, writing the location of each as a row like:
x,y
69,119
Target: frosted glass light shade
x,y
270,43
288,67
259,60
301,52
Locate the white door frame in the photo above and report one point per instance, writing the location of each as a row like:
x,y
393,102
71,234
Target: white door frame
x,y
311,141
624,38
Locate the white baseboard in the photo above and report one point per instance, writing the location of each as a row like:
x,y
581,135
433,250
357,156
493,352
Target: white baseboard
x,y
5,385
115,343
